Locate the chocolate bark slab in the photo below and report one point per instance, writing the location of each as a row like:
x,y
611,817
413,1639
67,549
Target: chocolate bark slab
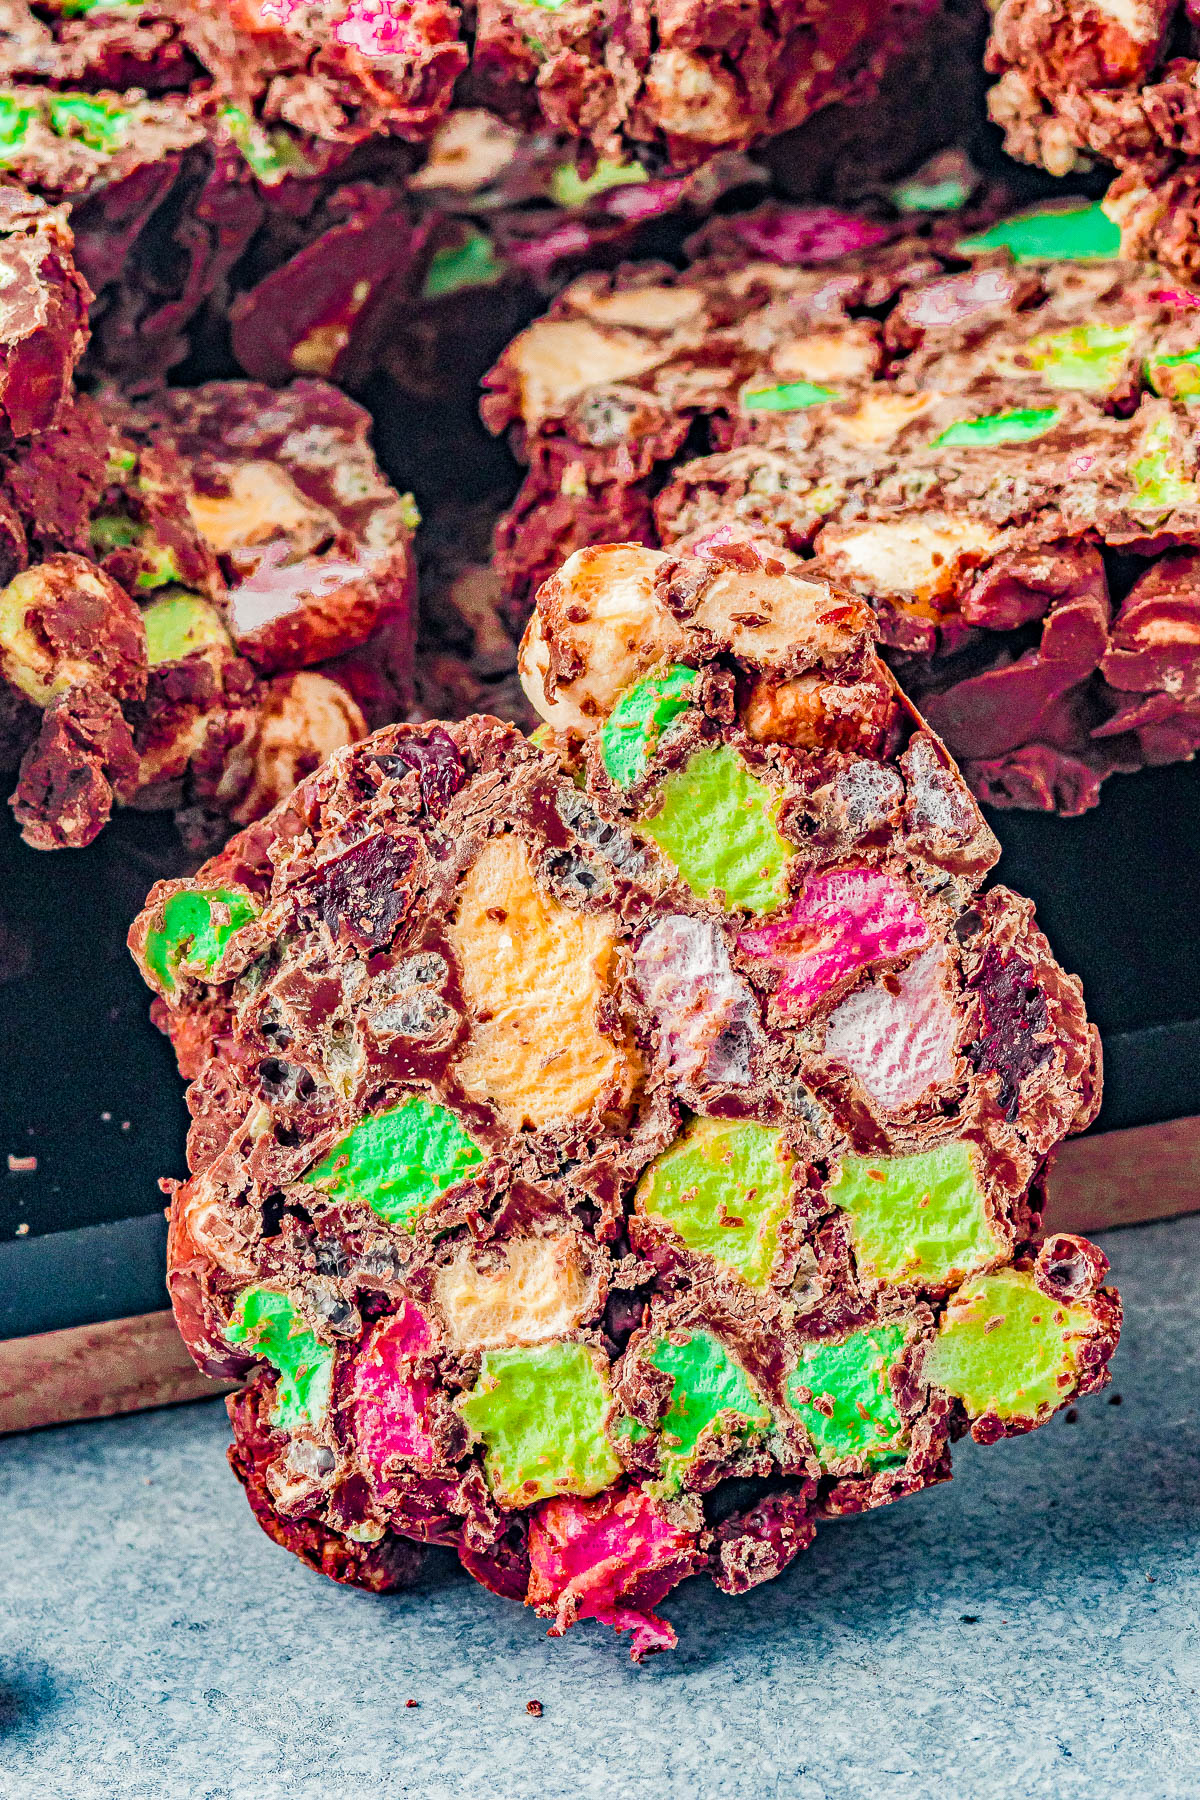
x,y
206,595
173,184
1095,85
676,1065
988,433
258,185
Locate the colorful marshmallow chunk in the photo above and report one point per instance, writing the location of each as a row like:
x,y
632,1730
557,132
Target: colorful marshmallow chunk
x,y
632,730
194,929
266,1323
1008,1348
724,1188
541,1416
717,823
391,1401
844,920
841,1391
918,1219
710,1395
397,1162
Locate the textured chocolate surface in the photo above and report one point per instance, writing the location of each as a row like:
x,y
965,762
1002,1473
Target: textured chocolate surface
x,y
681,1068
43,314
680,82
996,448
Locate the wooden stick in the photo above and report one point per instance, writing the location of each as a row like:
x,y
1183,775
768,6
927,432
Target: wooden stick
x,y
1126,1177
94,1371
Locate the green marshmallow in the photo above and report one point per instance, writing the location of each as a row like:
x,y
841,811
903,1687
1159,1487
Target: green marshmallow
x,y
717,825
473,263
268,1324
998,428
270,156
787,396
100,124
178,624
15,120
1004,1347
635,724
1159,485
112,531
162,568
398,1162
569,188
197,925
950,195
1088,357
78,9
1078,234
859,1416
724,1186
1177,377
541,1415
917,1218
708,1386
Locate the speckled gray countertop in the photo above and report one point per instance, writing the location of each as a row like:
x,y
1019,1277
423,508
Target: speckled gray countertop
x,y
1032,1630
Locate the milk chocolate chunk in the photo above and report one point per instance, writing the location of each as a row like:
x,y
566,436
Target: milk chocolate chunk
x,y
585,1126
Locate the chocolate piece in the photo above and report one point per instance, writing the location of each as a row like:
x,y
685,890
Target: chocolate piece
x,y
989,434
580,1129
43,314
181,196
286,188
192,580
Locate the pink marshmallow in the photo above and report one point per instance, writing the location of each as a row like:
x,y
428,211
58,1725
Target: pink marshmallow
x,y
391,1403
612,1559
899,1044
805,234
1180,298
844,920
641,200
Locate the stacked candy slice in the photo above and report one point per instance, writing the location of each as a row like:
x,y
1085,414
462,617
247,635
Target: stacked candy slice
x,y
616,1151
991,435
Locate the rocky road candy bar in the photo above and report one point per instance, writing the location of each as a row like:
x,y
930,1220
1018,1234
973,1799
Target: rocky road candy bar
x,y
616,1151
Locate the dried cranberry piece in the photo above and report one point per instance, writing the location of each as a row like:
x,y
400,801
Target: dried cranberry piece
x,y
361,894
1013,1015
436,762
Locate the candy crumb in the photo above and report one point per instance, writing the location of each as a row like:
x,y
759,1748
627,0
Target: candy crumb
x,y
534,1708
21,1165
412,1703
23,1228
